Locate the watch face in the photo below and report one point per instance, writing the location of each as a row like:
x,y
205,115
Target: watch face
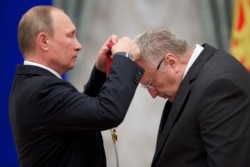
x,y
128,55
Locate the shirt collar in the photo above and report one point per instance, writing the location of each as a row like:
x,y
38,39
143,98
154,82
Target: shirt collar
x,y
42,66
198,49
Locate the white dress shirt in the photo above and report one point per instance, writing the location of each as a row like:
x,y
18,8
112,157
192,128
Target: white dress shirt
x,y
198,49
42,66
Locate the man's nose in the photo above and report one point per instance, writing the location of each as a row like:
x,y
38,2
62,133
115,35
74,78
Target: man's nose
x,y
78,46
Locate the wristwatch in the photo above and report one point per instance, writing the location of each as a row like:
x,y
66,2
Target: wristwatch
x,y
126,54
130,56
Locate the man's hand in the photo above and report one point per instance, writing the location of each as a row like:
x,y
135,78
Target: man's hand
x,y
126,44
104,52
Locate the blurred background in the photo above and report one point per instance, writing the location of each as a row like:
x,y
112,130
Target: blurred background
x,y
222,23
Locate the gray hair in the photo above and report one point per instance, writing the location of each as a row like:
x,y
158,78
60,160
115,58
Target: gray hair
x,y
156,43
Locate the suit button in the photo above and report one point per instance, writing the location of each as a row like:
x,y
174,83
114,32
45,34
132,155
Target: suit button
x,y
138,77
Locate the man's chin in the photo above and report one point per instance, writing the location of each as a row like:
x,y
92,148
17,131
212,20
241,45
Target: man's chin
x,y
70,67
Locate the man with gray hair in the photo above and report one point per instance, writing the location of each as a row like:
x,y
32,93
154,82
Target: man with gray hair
x,y
206,119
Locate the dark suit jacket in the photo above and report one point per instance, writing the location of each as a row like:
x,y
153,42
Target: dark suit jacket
x,y
55,125
208,124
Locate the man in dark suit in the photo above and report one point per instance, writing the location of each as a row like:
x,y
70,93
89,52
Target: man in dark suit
x,y
206,119
55,125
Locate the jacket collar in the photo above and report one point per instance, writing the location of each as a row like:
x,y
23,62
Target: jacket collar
x,y
33,70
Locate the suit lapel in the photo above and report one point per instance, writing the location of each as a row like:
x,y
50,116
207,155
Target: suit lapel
x,y
172,117
180,99
164,117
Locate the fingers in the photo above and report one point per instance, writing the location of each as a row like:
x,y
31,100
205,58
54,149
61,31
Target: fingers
x,y
105,52
125,44
114,45
113,39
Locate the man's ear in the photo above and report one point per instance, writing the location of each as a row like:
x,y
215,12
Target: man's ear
x,y
42,40
172,61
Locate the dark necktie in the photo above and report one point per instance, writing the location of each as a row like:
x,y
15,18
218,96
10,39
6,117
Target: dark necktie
x,y
164,117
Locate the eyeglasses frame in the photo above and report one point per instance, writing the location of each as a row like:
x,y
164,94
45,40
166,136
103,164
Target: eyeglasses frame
x,y
148,85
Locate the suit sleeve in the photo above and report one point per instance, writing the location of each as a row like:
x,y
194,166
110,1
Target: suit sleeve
x,y
223,124
97,78
69,110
